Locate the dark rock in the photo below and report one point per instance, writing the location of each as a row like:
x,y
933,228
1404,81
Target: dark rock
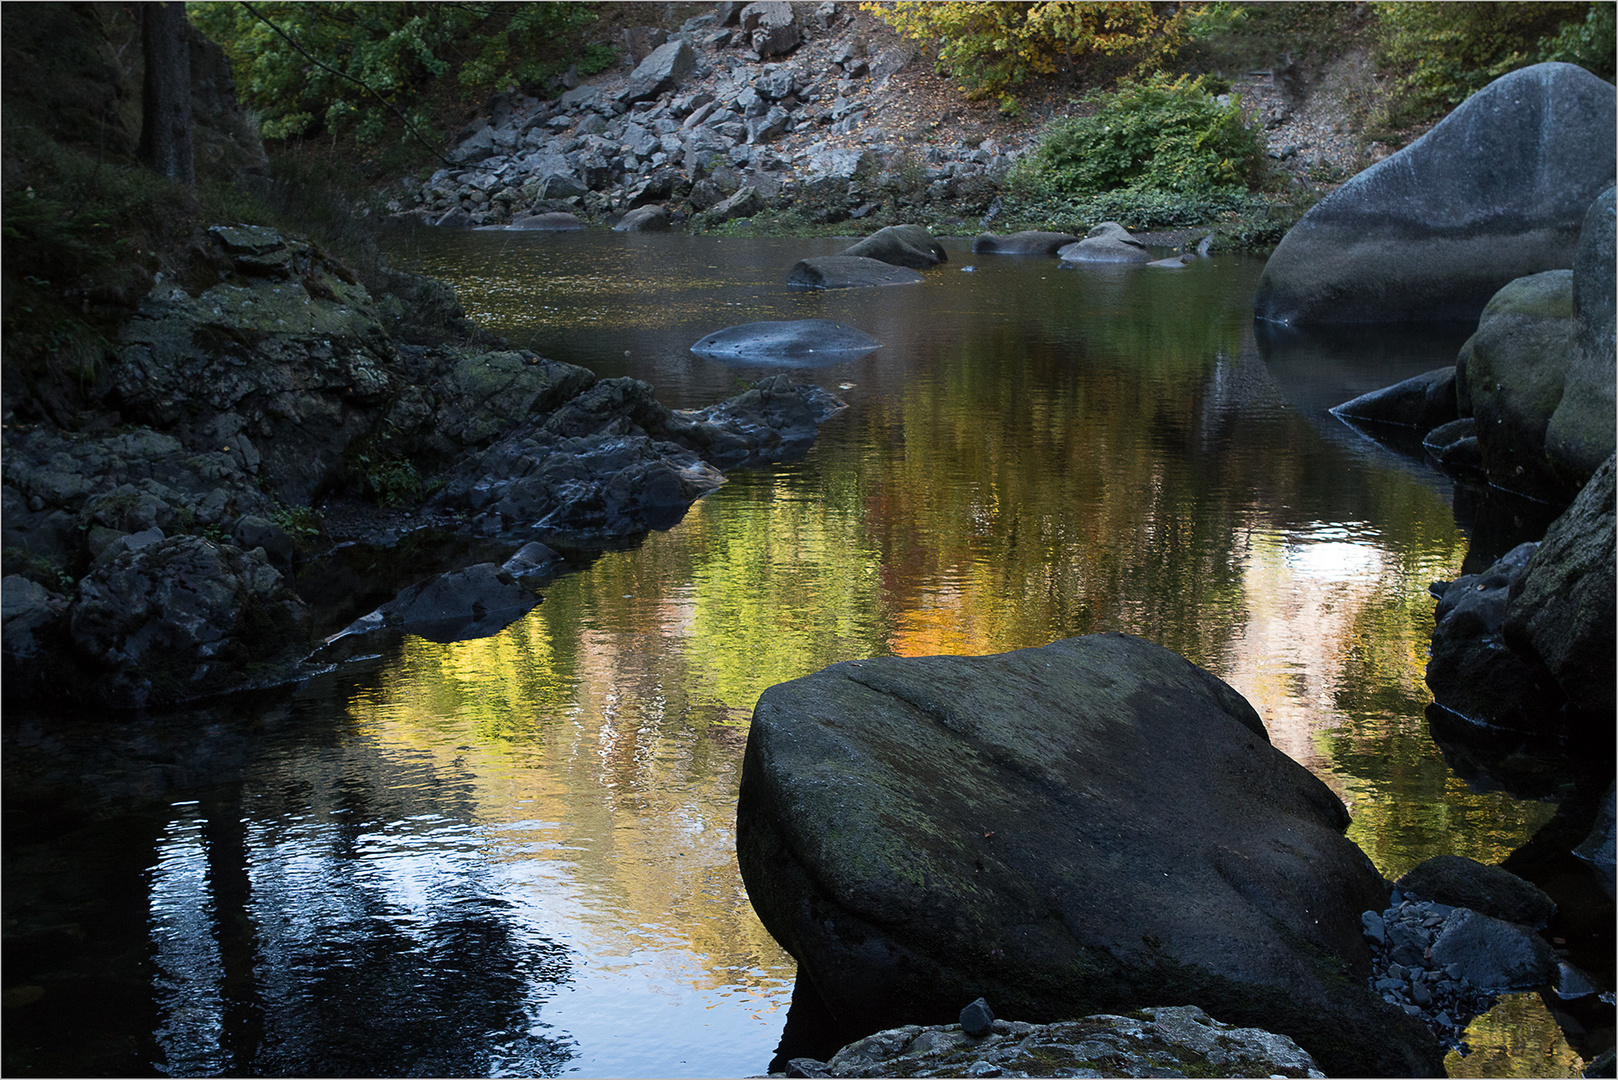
x,y
773,421
1064,830
252,531
456,218
1496,191
807,1067
483,395
771,28
1108,242
803,342
1030,242
769,127
551,222
1489,890
848,272
1455,445
743,204
28,613
1493,954
480,147
181,619
1423,401
644,219
1562,609
641,41
1598,848
1375,930
663,70
474,602
533,559
977,1019
900,245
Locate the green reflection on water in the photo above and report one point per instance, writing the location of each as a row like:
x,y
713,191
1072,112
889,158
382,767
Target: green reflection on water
x,y
1033,454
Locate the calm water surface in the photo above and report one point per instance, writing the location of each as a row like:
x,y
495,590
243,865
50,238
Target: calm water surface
x,y
515,855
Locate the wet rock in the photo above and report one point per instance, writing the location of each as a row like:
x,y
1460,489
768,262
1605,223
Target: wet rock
x,y
1108,242
183,618
798,342
1488,890
900,245
1059,830
1156,1041
554,221
1423,402
644,219
473,602
773,421
1598,848
848,272
1455,446
486,394
1496,191
1029,242
533,559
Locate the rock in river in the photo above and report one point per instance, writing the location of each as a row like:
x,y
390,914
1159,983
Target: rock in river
x,y
800,342
901,245
1028,242
848,272
1497,191
1094,826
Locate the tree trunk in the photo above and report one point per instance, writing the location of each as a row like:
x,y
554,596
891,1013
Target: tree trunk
x,y
165,136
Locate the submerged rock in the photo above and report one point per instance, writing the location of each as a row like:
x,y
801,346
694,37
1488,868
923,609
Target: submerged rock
x,y
848,272
801,341
1063,831
1028,242
1496,191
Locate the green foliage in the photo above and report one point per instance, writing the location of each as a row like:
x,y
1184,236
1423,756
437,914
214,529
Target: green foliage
x,y
1228,36
357,67
1447,52
992,47
1142,143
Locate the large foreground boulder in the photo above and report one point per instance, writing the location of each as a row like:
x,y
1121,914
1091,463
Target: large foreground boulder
x,y
1093,826
1495,192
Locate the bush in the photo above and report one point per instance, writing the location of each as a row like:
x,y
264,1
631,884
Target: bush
x,y
992,47
1144,141
1447,52
357,67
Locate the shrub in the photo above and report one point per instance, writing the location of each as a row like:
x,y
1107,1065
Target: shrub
x,y
1144,140
1446,52
992,47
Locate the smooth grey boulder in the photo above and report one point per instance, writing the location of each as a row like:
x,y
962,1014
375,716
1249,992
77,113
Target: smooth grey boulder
x,y
1090,826
900,245
663,69
551,222
848,272
1493,954
1028,242
805,342
184,618
1581,432
1422,402
644,219
1489,890
1562,609
1108,242
1177,1040
1496,191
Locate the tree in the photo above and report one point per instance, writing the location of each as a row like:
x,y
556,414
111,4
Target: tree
x,y
165,135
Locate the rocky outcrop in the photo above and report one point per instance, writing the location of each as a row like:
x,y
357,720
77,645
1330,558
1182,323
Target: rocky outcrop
x,y
1063,831
800,342
1155,1041
1529,643
1108,242
1028,242
182,618
900,245
1496,191
848,272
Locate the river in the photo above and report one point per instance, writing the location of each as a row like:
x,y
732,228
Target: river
x,y
515,855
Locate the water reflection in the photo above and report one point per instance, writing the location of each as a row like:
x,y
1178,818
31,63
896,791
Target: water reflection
x,y
516,854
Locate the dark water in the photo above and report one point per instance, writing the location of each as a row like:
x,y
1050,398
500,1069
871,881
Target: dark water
x,y
515,855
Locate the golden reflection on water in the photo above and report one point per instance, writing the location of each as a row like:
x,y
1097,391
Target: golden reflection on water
x,y
1518,1037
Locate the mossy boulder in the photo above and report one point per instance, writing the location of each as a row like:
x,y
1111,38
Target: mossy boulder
x,y
1094,826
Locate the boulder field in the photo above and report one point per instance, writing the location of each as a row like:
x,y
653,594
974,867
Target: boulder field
x,y
1092,826
1496,191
